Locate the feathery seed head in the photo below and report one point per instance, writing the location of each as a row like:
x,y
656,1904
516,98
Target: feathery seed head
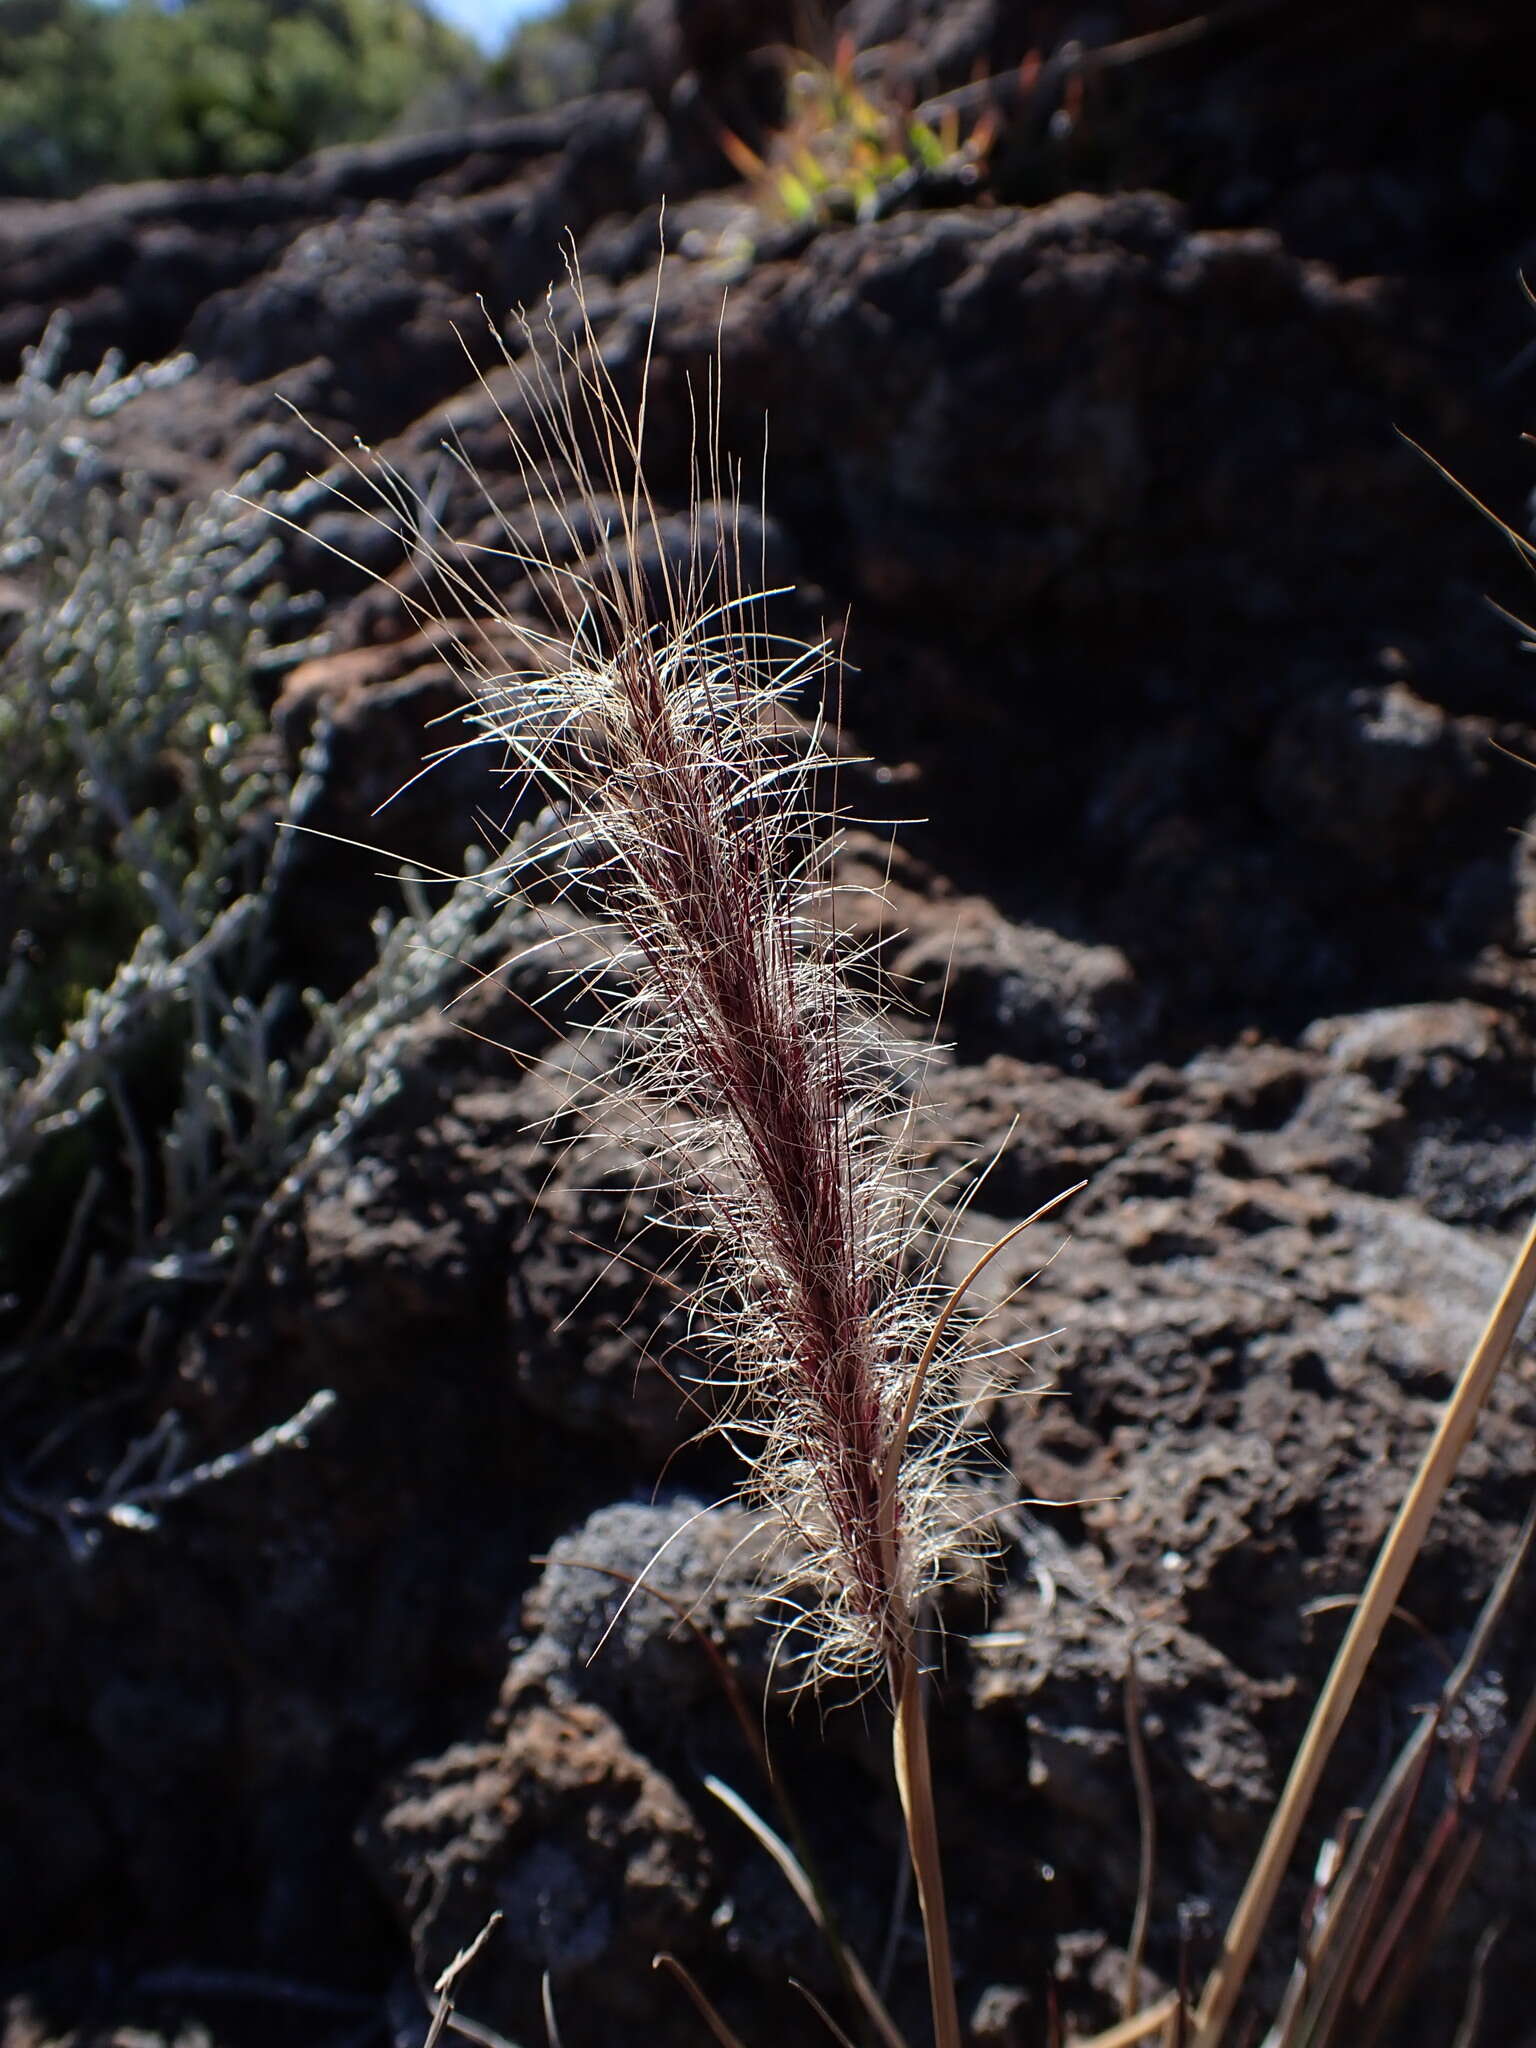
x,y
651,712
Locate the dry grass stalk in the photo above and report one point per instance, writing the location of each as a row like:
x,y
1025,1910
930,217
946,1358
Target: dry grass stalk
x,y
1154,2022
1331,1973
702,2004
1358,1974
447,1982
1395,1560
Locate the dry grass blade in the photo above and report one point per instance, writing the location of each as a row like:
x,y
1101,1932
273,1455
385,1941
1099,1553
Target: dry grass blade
x,y
805,1892
1391,1569
1392,1937
1472,2018
1344,1910
1146,1816
843,2040
701,2002
1463,1844
551,2019
477,2030
1503,1783
1008,89
445,1983
1334,1985
1157,2020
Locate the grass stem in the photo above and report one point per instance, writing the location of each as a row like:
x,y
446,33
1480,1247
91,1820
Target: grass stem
x,y
1146,1815
914,1778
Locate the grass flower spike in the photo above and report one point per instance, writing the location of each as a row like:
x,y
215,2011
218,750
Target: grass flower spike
x,y
652,712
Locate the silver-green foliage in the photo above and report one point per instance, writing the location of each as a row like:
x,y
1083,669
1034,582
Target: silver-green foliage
x,y
162,1094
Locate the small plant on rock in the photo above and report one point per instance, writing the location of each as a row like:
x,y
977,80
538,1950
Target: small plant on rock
x,y
849,149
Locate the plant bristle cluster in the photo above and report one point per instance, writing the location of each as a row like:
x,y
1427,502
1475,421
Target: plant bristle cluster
x,y
652,714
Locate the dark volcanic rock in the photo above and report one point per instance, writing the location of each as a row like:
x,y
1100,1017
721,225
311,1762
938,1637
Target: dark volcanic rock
x,y
601,1305
1028,991
1062,410
590,1854
137,267
1379,773
1134,691
624,1598
379,296
561,1815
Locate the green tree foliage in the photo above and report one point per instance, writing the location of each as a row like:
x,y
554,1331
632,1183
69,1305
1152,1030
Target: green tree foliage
x,y
92,93
558,55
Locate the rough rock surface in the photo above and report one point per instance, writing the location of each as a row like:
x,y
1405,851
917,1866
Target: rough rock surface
x,y
1174,646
